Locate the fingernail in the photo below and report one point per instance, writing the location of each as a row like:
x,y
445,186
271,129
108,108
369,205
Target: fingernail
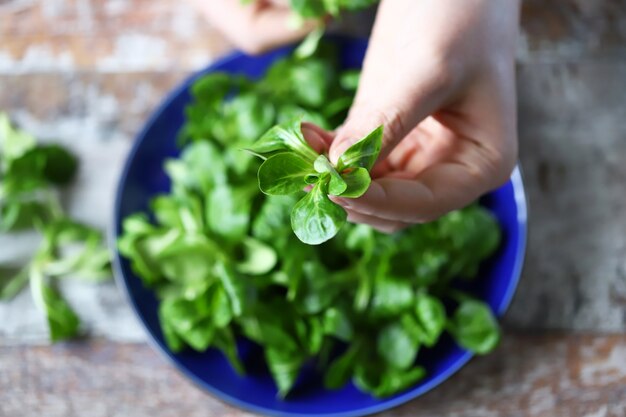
x,y
337,151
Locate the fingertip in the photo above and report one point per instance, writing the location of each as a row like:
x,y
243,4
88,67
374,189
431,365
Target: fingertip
x,y
338,147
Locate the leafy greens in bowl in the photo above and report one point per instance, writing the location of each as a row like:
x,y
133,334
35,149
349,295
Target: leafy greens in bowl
x,y
355,325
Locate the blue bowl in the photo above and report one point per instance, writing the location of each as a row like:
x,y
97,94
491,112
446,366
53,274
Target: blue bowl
x,y
143,177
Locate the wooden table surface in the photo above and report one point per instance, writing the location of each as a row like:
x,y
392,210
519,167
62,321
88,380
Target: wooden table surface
x,y
89,72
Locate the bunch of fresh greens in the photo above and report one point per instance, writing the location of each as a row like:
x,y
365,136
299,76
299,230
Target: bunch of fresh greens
x,y
290,164
225,264
30,174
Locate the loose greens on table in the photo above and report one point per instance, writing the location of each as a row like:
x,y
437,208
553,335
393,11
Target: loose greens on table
x,y
225,264
30,175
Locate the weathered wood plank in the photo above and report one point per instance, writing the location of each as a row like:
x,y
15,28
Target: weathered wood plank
x,y
572,148
108,35
530,375
573,29
144,35
96,107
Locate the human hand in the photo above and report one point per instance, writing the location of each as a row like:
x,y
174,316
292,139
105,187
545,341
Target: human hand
x,y
254,27
440,75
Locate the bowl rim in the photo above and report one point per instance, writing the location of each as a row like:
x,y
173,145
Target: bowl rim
x,y
516,180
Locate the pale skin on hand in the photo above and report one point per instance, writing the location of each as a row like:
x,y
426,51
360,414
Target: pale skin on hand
x,y
440,76
255,27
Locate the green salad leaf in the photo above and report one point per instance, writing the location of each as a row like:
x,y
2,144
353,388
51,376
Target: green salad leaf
x,y
315,218
474,327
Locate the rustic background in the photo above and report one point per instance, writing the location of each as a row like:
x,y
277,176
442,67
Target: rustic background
x,y
88,73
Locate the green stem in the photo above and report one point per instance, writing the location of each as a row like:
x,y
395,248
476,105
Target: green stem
x,y
15,285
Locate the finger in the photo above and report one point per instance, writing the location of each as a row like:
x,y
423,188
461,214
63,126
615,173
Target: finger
x,y
438,190
426,145
384,226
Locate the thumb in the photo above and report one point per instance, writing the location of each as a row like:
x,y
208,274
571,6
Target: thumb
x,y
399,115
362,121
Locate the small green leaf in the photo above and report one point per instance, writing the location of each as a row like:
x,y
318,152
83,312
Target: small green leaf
x,y
13,142
338,107
225,341
474,327
17,214
212,88
12,281
234,286
270,329
284,137
200,168
310,82
285,367
200,336
312,335
167,210
245,117
62,321
289,112
60,166
397,346
337,323
340,370
221,313
315,219
174,342
386,382
179,258
184,314
308,8
350,79
431,314
364,153
361,237
258,258
391,297
309,45
357,182
332,6
283,174
228,211
317,290
337,185
272,221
